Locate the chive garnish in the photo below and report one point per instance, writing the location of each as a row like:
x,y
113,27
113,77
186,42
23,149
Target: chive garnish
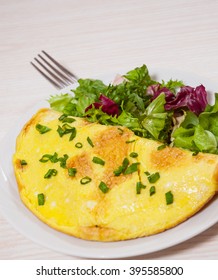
x,y
133,155
90,142
53,158
50,173
139,186
118,171
63,160
103,187
152,190
161,147
42,128
122,168
169,197
66,129
130,141
132,168
125,163
147,173
73,134
60,131
66,119
152,178
85,180
72,171
98,160
62,117
121,130
23,162
79,145
41,199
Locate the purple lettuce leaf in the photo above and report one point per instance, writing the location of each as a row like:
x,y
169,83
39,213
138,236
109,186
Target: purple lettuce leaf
x,y
195,99
106,104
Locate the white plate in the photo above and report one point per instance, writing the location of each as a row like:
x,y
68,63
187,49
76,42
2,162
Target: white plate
x,y
31,227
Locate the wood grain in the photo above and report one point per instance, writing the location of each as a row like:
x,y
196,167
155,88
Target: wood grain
x,y
93,38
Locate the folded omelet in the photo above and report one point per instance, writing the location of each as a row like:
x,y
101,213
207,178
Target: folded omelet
x,y
104,183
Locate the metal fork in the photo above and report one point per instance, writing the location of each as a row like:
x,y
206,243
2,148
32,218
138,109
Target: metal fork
x,y
53,71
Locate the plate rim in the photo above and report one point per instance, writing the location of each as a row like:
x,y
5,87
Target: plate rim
x,y
114,252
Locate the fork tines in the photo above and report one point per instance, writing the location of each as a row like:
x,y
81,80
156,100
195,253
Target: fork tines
x,y
53,71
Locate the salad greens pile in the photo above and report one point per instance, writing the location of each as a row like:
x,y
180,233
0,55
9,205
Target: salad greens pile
x,y
170,112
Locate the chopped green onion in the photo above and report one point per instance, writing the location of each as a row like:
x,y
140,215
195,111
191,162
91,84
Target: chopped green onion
x,y
50,173
154,177
118,171
73,134
90,142
53,158
23,162
147,173
72,171
66,129
132,168
85,180
130,141
133,155
66,119
62,117
60,131
169,197
98,160
161,147
103,187
122,168
125,163
121,130
79,145
69,120
42,128
63,160
139,186
41,199
152,190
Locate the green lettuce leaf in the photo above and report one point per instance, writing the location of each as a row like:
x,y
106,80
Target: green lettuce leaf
x,y
191,120
184,138
205,140
126,119
89,87
172,85
195,139
155,116
209,118
60,101
139,75
85,94
192,135
132,92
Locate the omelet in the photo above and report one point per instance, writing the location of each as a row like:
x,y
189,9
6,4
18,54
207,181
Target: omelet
x,y
104,183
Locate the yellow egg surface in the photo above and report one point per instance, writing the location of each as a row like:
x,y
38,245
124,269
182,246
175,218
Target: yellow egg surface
x,y
104,183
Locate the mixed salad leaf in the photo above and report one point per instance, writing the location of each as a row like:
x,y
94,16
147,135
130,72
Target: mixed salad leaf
x,y
168,111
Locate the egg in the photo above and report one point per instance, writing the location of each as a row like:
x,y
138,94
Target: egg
x,y
104,183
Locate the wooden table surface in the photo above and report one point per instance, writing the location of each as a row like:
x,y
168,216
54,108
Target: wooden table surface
x,y
93,38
